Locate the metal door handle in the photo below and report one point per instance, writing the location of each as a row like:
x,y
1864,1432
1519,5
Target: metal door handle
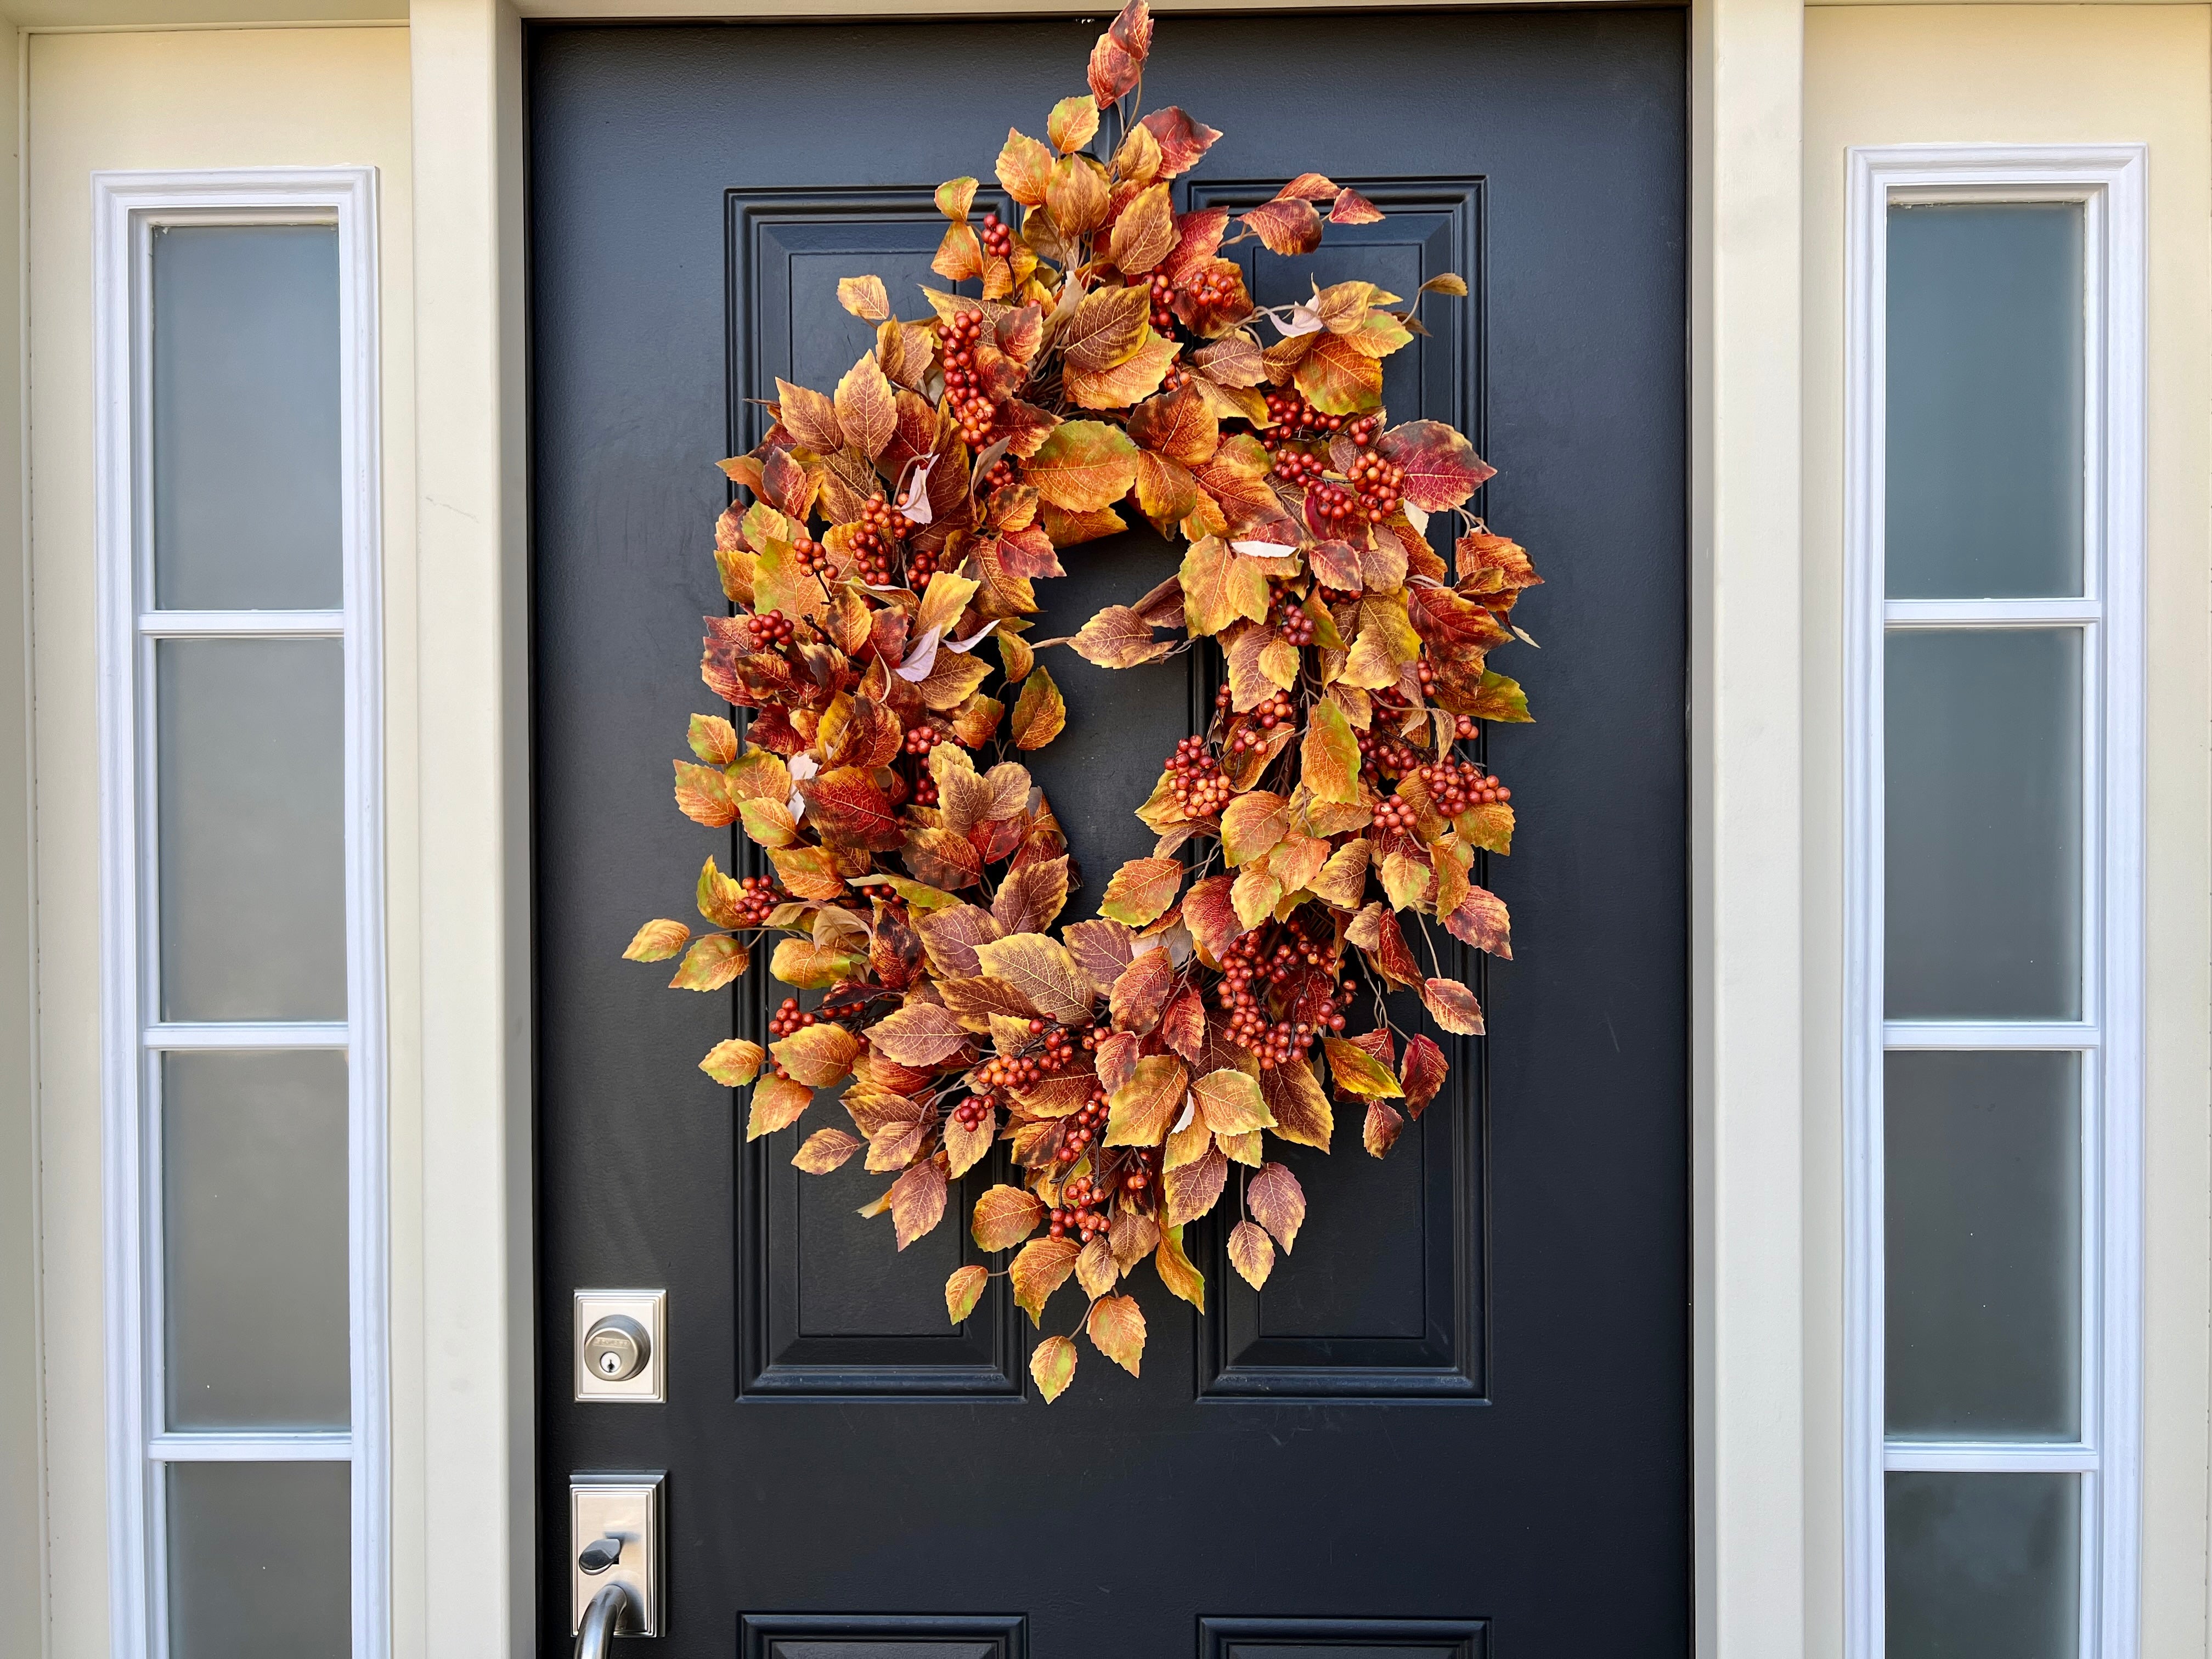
x,y
595,1640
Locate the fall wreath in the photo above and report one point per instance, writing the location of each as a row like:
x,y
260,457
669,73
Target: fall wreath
x,y
1112,355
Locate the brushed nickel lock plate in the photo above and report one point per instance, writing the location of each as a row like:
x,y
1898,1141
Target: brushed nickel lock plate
x,y
617,1536
622,1346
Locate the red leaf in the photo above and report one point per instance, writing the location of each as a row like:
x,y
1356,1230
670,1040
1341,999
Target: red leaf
x,y
1423,1072
1210,915
1481,921
1286,225
1182,140
1441,469
1353,209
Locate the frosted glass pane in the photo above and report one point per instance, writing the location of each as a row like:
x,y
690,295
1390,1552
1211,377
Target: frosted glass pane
x,y
1983,1566
1985,825
253,1185
1983,1160
251,795
245,417
1985,450
259,1561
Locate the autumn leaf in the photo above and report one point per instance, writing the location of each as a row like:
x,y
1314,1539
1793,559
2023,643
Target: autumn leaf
x,y
778,1102
1076,197
817,1055
1134,377
1053,1365
1501,699
1140,1110
1286,226
1194,1189
1211,915
703,795
1117,58
826,1150
1042,971
1175,1271
1441,469
810,417
1094,1268
1405,879
811,967
1422,1071
965,1145
1141,891
1488,826
864,405
950,937
1117,637
1141,991
1028,899
711,964
759,776
1040,713
1357,1071
1182,140
1116,1328
733,1062
864,297
1277,1202
1072,124
1041,1268
1230,1103
920,1034
1328,757
965,1289
943,860
1384,1125
1004,1216
1251,1254
954,197
1338,378
657,941
1219,586
1024,167
1480,919
1252,824
1083,466
1453,1006
1145,233
917,1201
1301,1109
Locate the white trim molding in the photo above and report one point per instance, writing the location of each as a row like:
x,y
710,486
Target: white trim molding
x,y
2109,181
127,208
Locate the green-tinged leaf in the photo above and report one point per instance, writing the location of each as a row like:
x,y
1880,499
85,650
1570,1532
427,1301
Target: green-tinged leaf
x,y
1355,1070
733,1062
657,941
965,1289
810,967
1252,824
714,740
1501,699
1003,1217
1230,1103
1141,891
711,964
1052,1365
953,197
769,823
1083,466
1489,827
1116,1328
1140,1110
1094,1268
1041,1268
703,795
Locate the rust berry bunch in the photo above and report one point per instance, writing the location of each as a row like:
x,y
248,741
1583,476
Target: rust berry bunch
x,y
1094,359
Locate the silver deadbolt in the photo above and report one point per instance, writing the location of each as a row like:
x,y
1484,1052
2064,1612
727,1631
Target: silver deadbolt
x,y
617,1347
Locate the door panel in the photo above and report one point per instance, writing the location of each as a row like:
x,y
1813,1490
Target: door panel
x,y
1458,1414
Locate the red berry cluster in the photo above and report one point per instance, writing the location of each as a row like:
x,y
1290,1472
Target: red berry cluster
x,y
1142,1171
757,897
1195,780
1215,289
1456,785
770,630
1288,617
1377,483
1381,756
1291,413
925,788
810,555
1299,466
1175,380
876,544
997,240
788,1017
1080,1210
1465,728
964,393
921,739
1001,476
1163,315
1280,966
1391,813
1274,712
971,1113
1083,1127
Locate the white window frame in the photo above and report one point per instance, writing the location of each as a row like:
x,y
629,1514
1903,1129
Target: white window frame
x,y
2109,181
127,207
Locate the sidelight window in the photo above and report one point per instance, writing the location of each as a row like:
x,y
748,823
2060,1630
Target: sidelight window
x,y
1994,1022
242,930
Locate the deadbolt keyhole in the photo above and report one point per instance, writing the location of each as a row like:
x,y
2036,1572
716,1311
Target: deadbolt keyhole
x,y
617,1347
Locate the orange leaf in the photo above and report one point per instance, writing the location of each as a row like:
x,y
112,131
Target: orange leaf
x,y
1441,469
711,964
1328,758
1083,466
920,1034
1251,1254
1031,896
1277,1202
1041,1268
1302,1111
1077,198
1041,970
826,1150
864,408
1117,637
1117,1326
1003,1217
1182,140
817,1055
777,1104
1230,1101
1145,233
1339,379
1053,1365
1287,225
1481,921
917,1201
1453,1006
1040,713
864,297
1072,124
1381,1132
1141,991
1219,586
1175,1271
733,1062
1135,377
657,941
1141,889
965,1289
1194,1189
1140,1110
703,795
810,417
1024,168
1106,328
1252,824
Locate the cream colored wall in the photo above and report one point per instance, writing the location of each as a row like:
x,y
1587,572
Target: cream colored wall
x,y
1886,75
217,98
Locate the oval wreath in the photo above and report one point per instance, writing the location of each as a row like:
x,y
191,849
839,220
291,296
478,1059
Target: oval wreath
x,y
1113,357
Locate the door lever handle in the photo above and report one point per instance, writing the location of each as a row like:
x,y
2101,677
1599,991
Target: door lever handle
x,y
594,1640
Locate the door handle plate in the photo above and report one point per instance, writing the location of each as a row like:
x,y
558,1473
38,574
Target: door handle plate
x,y
626,1506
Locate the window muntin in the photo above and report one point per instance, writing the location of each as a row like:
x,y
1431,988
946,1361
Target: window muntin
x,y
1994,522
239,571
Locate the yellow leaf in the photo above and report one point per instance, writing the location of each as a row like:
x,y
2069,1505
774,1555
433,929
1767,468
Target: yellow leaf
x,y
1072,123
1230,1103
1219,586
965,1289
1116,1328
1133,379
733,1062
808,966
657,941
1041,1268
1003,1217
1141,891
1040,713
1141,1110
1052,1365
1358,1072
1405,879
864,297
1252,824
1175,1269
1328,758
1252,1254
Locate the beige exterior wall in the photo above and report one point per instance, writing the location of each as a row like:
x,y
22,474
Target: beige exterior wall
x,y
2036,74
181,100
